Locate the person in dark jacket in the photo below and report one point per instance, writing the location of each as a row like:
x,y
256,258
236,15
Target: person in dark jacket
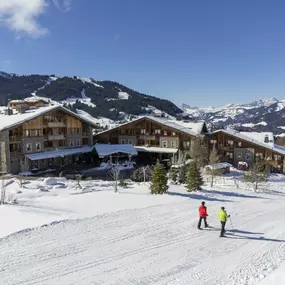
x,y
203,215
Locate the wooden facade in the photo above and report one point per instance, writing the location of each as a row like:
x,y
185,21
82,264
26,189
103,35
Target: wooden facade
x,y
53,130
236,150
149,133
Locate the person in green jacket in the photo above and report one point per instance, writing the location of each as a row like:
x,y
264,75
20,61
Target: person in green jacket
x,y
223,216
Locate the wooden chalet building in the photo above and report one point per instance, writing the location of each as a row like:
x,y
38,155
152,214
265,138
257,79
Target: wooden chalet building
x,y
154,137
42,137
242,149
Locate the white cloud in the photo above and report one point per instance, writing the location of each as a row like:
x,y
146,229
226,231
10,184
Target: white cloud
x,y
21,15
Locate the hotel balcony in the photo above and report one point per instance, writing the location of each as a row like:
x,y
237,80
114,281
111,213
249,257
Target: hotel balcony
x,y
55,137
56,124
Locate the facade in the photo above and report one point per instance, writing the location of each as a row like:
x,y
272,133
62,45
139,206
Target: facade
x,y
242,149
42,138
153,135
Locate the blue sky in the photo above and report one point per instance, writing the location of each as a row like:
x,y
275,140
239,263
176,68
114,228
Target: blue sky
x,y
202,52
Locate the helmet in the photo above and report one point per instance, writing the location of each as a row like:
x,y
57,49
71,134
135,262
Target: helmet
x,y
223,208
203,203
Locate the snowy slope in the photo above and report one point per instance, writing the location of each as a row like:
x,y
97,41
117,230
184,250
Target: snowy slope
x,y
261,115
153,241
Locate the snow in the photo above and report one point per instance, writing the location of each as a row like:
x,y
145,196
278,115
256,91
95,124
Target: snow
x,y
109,149
123,95
99,121
251,125
97,236
59,153
156,149
281,127
89,80
219,165
84,100
15,119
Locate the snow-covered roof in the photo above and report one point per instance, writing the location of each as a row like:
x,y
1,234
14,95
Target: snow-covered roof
x,y
220,165
108,149
59,153
155,149
191,128
9,121
255,138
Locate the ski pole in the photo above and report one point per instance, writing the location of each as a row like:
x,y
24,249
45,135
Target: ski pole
x,y
231,223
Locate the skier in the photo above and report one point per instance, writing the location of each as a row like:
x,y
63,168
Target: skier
x,y
203,215
223,216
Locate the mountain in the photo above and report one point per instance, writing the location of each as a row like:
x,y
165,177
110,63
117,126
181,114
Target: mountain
x,y
106,99
261,115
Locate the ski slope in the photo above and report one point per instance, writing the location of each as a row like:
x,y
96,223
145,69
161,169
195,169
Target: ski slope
x,y
156,244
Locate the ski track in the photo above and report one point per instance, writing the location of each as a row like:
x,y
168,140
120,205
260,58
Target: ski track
x,y
156,245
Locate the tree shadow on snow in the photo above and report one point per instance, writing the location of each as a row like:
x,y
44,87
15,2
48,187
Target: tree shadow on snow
x,y
244,232
235,236
197,196
233,194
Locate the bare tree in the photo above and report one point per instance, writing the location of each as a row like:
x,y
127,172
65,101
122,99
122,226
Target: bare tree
x,y
199,151
79,179
144,174
257,175
3,192
115,175
213,159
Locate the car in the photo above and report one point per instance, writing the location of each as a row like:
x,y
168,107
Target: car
x,y
71,174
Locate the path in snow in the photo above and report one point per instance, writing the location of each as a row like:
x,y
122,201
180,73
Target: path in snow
x,y
155,245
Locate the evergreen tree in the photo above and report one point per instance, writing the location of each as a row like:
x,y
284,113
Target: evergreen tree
x,y
159,180
182,175
194,178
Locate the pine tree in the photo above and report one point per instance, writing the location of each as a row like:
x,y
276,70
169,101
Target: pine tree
x,y
194,178
159,180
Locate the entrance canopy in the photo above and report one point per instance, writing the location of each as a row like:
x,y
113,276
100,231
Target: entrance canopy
x,y
108,149
59,153
156,149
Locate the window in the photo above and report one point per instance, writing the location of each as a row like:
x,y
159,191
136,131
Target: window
x,y
71,143
38,146
248,156
165,133
157,132
230,142
239,144
122,141
239,155
164,143
27,133
78,142
213,141
231,155
29,147
173,134
130,141
143,131
78,130
186,144
173,144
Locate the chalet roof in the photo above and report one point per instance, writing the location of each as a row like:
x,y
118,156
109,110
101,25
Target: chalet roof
x,y
255,138
108,149
59,153
9,121
191,128
156,149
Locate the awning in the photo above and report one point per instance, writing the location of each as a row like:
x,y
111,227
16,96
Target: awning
x,y
156,149
108,149
59,153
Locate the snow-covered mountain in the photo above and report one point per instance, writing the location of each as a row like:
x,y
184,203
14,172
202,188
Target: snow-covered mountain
x,y
261,115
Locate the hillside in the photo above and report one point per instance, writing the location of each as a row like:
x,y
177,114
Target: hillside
x,y
99,98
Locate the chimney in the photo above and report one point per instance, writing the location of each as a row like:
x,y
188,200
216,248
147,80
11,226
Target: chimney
x,y
266,139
